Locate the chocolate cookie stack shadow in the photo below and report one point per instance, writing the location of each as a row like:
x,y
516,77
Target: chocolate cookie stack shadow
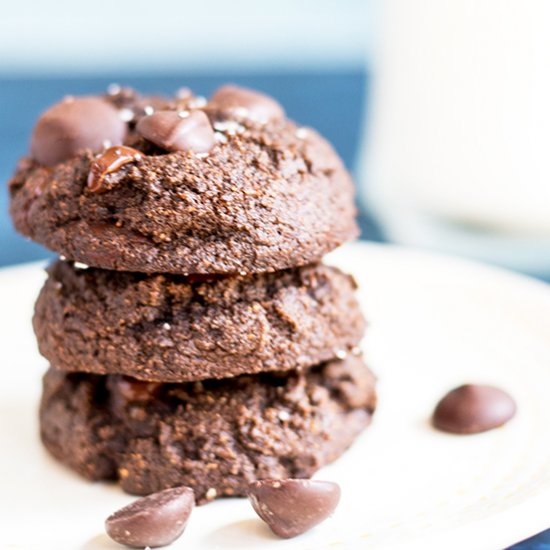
x,y
194,336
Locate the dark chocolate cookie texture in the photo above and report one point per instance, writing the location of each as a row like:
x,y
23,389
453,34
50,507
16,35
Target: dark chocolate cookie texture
x,y
214,437
171,328
224,186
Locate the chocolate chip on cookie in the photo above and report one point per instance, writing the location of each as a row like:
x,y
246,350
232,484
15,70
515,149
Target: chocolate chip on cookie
x,y
108,162
178,131
240,102
75,125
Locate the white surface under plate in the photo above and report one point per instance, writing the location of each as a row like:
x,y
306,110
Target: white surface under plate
x,y
436,322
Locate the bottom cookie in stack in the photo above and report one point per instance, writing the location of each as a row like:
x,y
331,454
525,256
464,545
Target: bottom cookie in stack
x,y
215,436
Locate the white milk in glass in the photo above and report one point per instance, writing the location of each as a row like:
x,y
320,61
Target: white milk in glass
x,y
458,141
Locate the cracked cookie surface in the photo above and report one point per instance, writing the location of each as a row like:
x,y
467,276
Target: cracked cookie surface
x,y
265,197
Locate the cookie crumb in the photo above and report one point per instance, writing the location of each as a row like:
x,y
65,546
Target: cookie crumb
x,y
230,127
341,354
283,416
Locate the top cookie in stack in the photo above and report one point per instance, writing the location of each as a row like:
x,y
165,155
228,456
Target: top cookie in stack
x,y
244,190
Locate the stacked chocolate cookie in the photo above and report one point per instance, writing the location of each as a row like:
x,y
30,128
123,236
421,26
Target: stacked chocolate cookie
x,y
194,337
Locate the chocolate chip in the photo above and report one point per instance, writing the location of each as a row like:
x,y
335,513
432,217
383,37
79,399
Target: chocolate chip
x,y
244,103
146,106
155,520
183,131
293,506
471,409
110,161
74,125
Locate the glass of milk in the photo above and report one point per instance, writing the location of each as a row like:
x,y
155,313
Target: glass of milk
x,y
457,145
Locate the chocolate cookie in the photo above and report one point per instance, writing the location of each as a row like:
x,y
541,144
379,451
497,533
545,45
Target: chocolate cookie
x,y
182,186
215,436
171,328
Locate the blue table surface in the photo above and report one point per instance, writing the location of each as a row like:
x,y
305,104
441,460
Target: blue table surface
x,y
333,102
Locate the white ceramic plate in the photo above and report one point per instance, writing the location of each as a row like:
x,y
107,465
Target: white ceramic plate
x,y
436,322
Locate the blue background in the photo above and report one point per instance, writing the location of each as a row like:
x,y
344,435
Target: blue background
x,y
331,101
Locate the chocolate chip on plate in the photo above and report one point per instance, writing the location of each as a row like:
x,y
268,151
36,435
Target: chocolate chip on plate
x,y
110,161
155,520
293,506
178,131
233,100
76,124
472,408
